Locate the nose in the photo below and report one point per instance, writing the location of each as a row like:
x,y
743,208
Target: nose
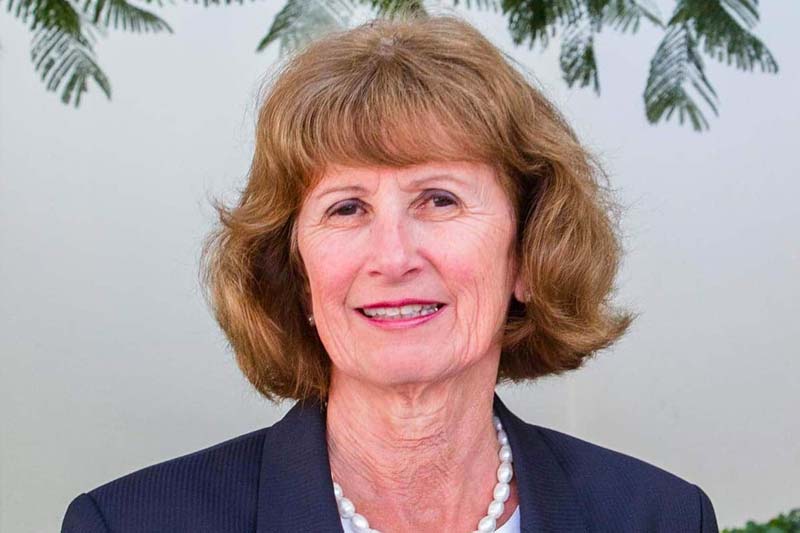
x,y
394,248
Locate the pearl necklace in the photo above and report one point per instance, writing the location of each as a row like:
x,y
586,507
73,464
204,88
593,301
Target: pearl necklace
x,y
487,524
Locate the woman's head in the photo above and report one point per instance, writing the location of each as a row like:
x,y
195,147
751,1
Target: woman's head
x,y
384,103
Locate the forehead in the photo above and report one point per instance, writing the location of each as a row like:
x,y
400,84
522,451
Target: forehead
x,y
457,170
466,174
471,178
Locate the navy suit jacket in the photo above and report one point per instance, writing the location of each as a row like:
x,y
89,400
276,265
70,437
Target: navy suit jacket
x,y
278,480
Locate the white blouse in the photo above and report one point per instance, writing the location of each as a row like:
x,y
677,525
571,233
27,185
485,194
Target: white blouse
x,y
511,526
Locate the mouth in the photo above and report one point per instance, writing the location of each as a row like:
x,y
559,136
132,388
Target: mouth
x,y
398,313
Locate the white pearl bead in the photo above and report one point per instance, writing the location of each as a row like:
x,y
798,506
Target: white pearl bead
x,y
337,490
505,453
496,509
501,492
487,524
360,524
504,472
497,424
346,508
502,438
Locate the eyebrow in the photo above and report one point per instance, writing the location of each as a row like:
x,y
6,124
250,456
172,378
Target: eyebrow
x,y
340,188
414,183
438,177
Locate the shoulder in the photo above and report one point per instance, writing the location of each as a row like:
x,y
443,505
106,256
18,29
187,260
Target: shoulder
x,y
615,488
212,489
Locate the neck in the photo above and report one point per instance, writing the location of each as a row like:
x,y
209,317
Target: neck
x,y
416,457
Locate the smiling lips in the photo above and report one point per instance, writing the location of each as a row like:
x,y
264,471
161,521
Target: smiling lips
x,y
400,310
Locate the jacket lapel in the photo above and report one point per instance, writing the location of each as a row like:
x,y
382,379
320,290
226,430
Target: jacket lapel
x,y
296,490
547,500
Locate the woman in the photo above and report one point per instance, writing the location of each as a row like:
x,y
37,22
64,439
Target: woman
x,y
419,223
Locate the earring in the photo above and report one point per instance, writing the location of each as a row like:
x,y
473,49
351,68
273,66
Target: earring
x,y
311,320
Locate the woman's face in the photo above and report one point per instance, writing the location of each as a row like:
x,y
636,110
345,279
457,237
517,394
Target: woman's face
x,y
410,270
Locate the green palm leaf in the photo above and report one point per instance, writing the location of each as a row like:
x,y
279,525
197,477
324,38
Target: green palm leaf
x,y
537,20
300,21
721,29
47,14
209,3
61,51
626,15
120,14
676,81
65,61
676,66
394,8
494,5
577,58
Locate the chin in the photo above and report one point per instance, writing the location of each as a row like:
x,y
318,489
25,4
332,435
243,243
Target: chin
x,y
408,369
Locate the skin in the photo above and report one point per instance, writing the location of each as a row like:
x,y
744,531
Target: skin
x,y
409,429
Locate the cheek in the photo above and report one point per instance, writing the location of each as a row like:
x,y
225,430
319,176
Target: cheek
x,y
475,267
331,264
475,255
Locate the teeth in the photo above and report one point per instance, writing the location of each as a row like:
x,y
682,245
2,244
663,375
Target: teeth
x,y
406,311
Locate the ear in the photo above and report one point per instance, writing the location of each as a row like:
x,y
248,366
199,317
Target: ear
x,y
307,293
520,291
520,288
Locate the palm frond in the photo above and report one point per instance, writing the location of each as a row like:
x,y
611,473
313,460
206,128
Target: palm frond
x,y
722,27
577,59
494,5
47,14
537,20
676,66
61,50
65,61
396,8
300,21
209,3
626,15
744,10
120,14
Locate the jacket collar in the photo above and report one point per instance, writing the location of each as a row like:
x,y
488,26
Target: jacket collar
x,y
296,490
547,500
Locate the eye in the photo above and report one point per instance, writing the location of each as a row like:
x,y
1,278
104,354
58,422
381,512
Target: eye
x,y
440,198
345,208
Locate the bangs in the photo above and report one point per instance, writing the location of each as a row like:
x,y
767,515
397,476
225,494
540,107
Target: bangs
x,y
391,108
403,133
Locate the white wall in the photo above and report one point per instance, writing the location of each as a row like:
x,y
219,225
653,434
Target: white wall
x,y
110,360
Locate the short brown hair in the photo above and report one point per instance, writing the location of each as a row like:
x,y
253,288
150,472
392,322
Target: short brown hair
x,y
395,93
